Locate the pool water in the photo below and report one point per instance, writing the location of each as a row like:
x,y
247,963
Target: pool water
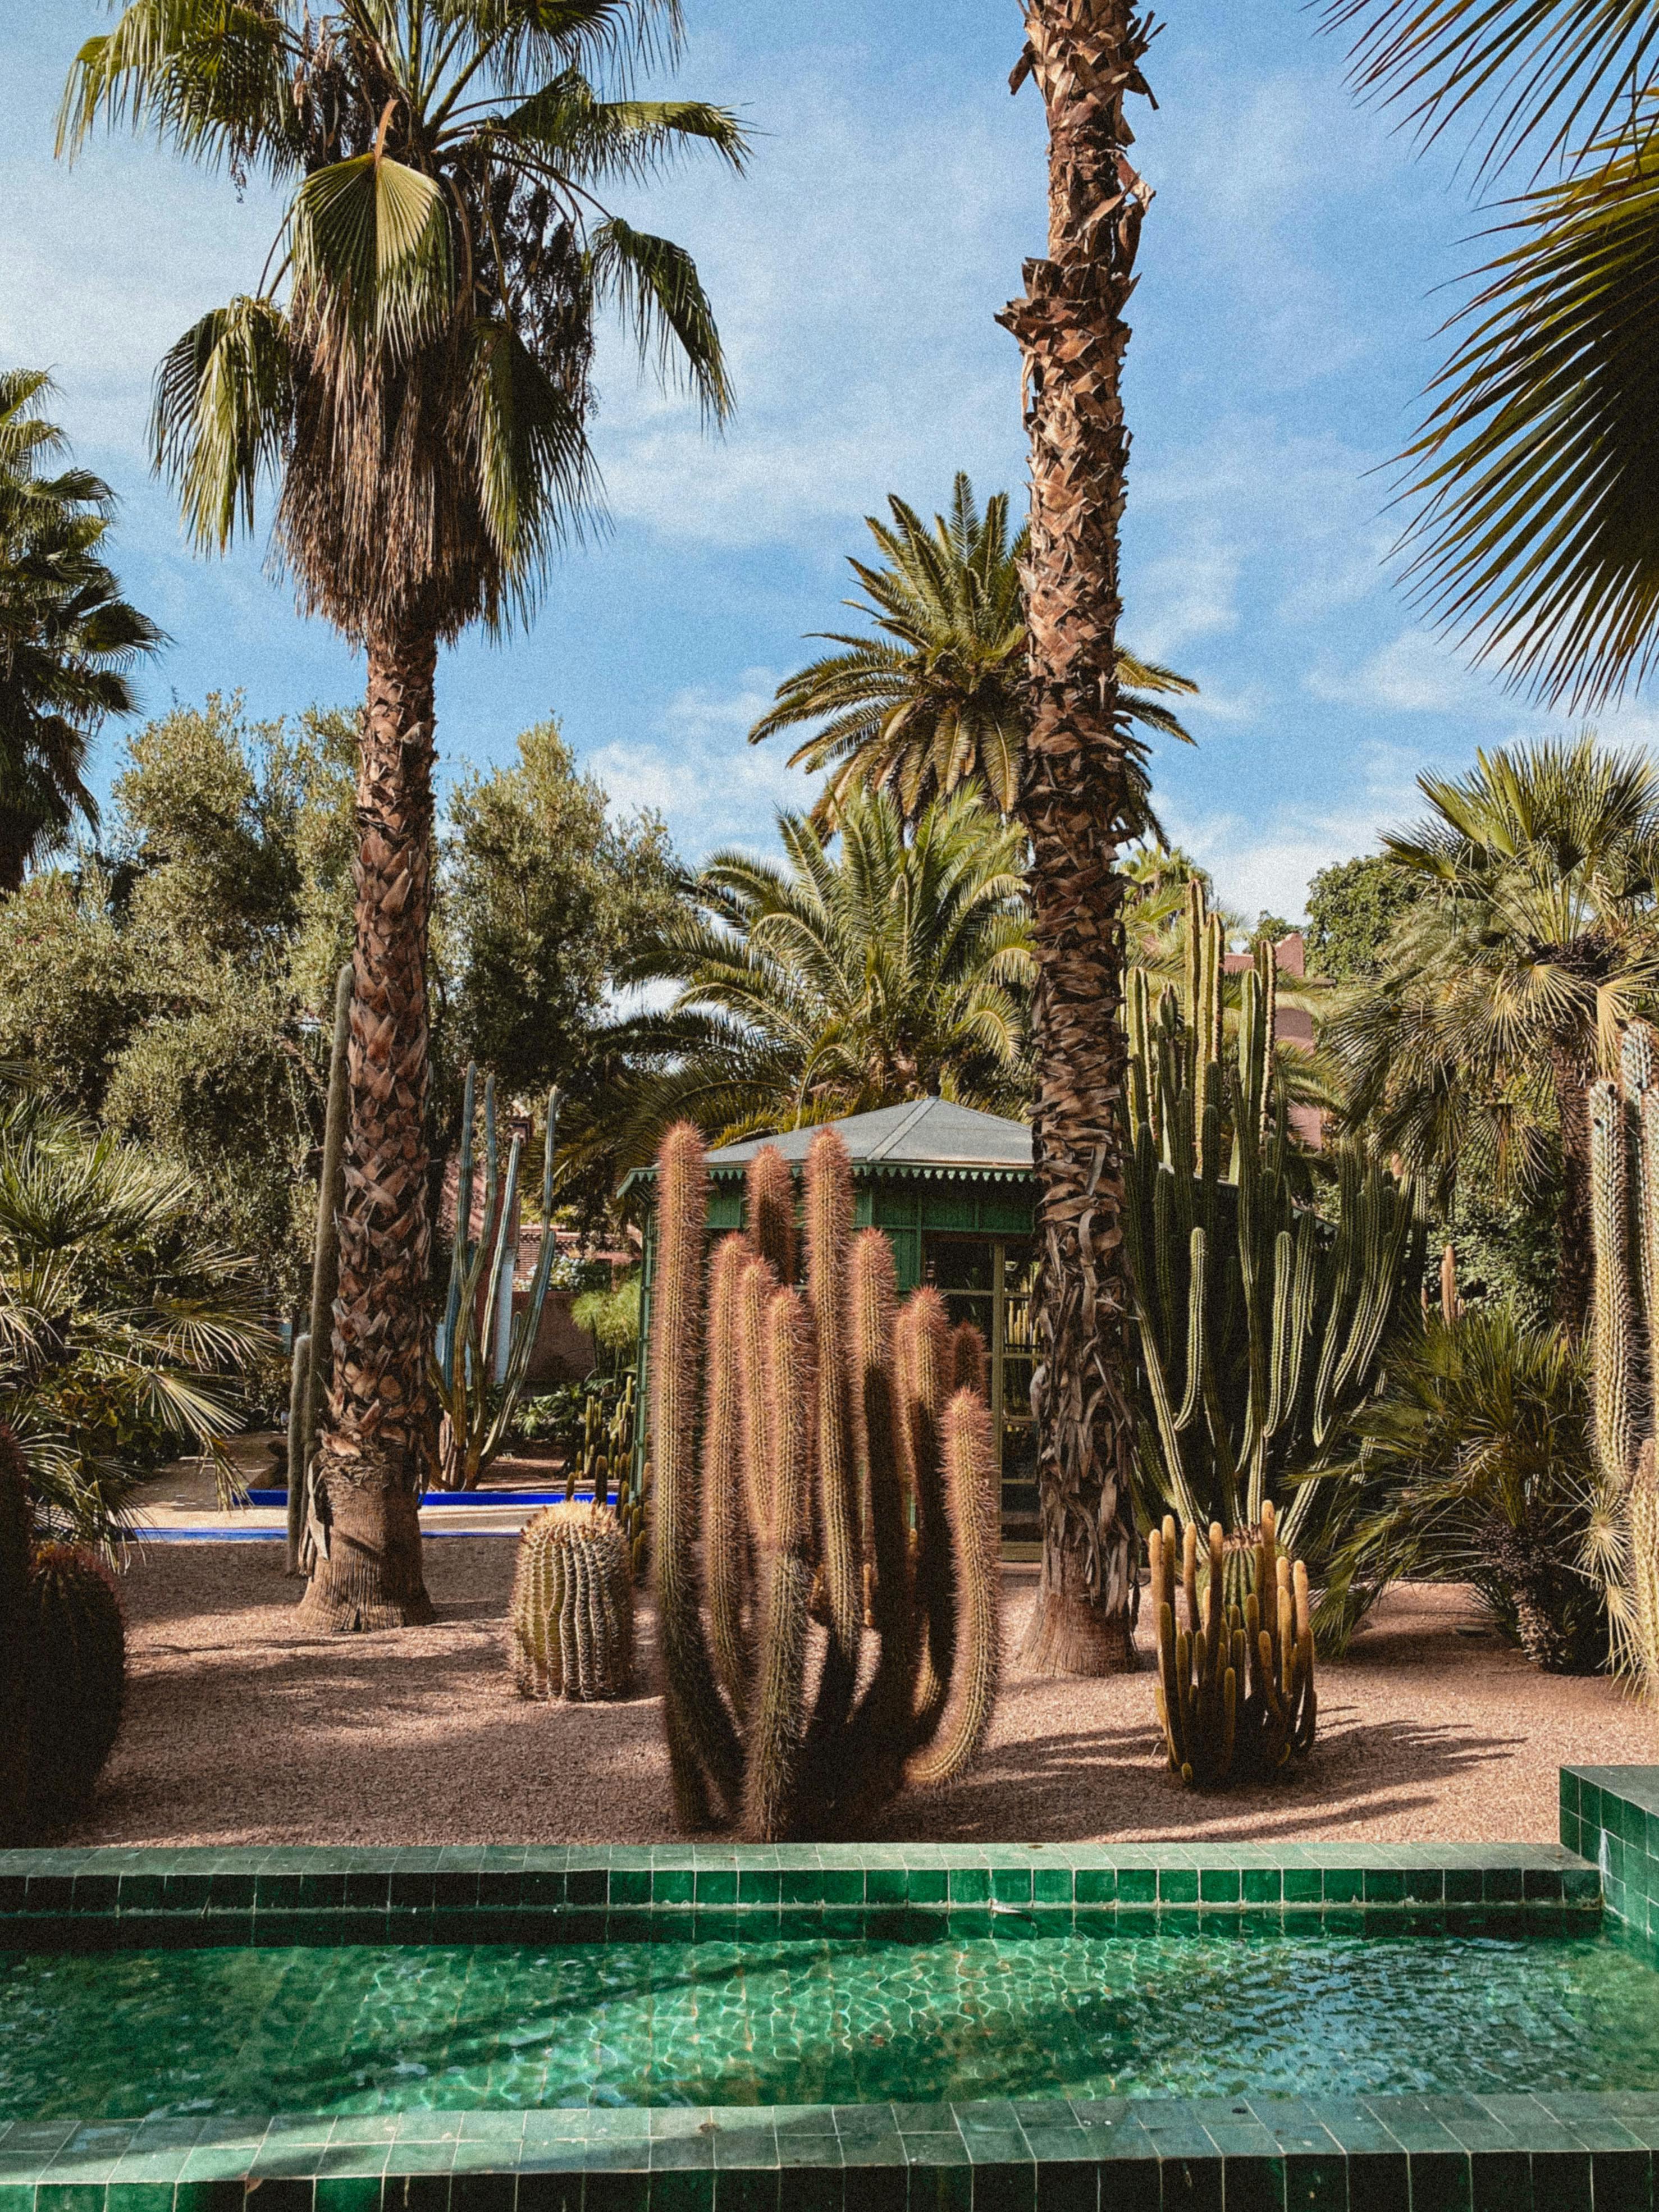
x,y
378,2030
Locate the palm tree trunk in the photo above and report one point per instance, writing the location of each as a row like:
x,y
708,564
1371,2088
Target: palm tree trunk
x,y
1084,56
377,1444
1575,1263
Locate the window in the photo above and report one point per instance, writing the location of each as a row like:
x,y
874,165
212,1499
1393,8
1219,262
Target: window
x,y
988,1280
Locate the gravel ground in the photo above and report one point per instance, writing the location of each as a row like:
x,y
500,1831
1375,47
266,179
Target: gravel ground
x,y
240,1730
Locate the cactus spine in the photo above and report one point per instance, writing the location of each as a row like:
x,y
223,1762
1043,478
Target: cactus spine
x,y
570,1629
313,1351
849,1433
1235,1695
1625,1235
16,1641
1259,1326
79,1680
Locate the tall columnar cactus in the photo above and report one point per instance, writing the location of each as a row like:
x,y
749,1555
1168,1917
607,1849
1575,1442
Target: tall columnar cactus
x,y
79,1680
824,1539
1235,1695
1260,1325
17,1640
570,1626
1624,1231
312,1350
478,1408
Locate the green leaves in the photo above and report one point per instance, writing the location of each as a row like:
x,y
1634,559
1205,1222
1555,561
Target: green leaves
x,y
210,75
654,283
372,249
222,414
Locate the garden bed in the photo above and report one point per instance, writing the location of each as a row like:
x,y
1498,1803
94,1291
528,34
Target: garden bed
x,y
241,1730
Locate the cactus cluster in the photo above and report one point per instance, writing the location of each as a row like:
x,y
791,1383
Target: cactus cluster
x,y
478,1411
62,1667
606,1457
825,1537
1259,1324
1624,1232
1235,1695
570,1628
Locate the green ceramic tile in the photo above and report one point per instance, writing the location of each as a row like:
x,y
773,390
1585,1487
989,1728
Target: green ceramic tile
x,y
1175,1885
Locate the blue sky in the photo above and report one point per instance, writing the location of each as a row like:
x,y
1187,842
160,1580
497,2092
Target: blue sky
x,y
1285,325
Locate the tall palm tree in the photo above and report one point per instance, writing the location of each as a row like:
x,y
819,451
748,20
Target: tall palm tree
x,y
414,372
1535,531
939,697
1534,941
1076,801
891,967
68,639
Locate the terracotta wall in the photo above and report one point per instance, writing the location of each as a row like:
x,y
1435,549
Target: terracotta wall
x,y
563,1352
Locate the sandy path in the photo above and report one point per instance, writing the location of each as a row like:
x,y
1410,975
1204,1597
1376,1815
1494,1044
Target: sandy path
x,y
240,1730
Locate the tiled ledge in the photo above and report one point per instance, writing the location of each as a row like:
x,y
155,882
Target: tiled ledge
x,y
1446,2153
121,1897
1610,1816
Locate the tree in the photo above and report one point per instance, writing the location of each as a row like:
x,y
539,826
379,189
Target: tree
x,y
895,968
1076,800
68,639
939,697
421,392
1352,909
1531,944
1535,531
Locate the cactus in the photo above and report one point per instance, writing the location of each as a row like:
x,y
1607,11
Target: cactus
x,y
1260,1326
312,1351
1235,1696
79,1681
17,1640
570,1628
1625,1235
477,1413
824,1539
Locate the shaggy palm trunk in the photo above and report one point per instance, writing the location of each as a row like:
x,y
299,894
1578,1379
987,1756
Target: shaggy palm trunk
x,y
1084,56
377,1445
1575,1261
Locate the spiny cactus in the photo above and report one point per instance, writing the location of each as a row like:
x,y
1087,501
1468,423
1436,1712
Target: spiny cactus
x,y
1625,1234
824,1539
479,1412
17,1640
79,1681
313,1349
570,1628
1235,1696
1260,1326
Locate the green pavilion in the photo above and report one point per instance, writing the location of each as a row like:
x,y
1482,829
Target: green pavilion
x,y
954,1191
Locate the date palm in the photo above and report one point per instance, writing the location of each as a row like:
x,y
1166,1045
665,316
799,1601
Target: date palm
x,y
1076,801
68,639
1532,942
1536,534
938,698
889,968
413,372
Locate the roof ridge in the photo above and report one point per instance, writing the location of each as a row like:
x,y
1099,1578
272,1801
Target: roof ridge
x,y
881,1150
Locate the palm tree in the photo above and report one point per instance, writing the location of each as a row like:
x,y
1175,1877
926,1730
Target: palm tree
x,y
415,373
893,967
68,639
1078,801
1535,532
940,698
1508,980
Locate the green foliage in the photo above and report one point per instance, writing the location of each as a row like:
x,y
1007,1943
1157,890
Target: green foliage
x,y
1354,907
1476,1464
68,640
891,967
74,988
937,699
611,1318
1506,1253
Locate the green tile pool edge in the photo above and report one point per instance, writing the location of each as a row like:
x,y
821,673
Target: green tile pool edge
x,y
128,1897
1448,2153
1610,1818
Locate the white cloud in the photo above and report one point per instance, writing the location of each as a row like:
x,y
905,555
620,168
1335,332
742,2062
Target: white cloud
x,y
1416,673
699,771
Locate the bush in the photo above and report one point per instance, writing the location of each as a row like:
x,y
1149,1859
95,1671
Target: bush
x,y
1476,1463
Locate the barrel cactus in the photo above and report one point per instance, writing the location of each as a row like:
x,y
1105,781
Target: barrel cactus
x,y
17,1640
824,1538
1235,1696
80,1678
570,1632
